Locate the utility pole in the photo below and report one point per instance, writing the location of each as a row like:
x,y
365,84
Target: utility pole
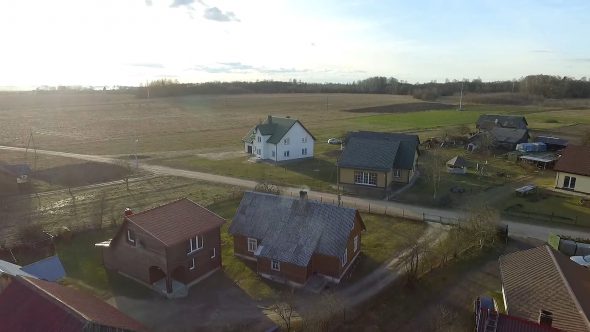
x,y
136,160
461,99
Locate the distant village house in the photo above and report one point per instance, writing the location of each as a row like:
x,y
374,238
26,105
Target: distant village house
x,y
280,139
573,170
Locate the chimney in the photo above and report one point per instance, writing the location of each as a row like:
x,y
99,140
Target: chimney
x,y
545,318
128,212
269,119
302,194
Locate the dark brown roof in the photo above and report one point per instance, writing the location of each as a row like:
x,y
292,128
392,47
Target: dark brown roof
x,y
542,278
575,159
47,306
177,221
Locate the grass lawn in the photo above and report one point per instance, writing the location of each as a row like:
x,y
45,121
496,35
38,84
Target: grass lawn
x,y
83,264
318,173
384,237
443,298
546,206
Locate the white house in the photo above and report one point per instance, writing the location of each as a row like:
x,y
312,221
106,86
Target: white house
x,y
280,139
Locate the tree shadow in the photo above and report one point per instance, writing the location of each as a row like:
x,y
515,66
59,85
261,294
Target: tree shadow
x,y
81,174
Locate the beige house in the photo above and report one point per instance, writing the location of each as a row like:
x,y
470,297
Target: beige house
x,y
378,160
573,170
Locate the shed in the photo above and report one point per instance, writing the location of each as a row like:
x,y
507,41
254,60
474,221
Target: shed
x,y
457,165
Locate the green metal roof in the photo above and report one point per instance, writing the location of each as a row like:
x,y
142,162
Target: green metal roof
x,y
276,127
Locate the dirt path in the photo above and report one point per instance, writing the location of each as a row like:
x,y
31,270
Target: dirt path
x,y
538,231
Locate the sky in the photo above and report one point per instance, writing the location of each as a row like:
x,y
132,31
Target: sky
x,y
129,42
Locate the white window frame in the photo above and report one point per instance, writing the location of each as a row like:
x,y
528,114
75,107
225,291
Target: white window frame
x,y
286,153
192,265
304,151
356,243
252,244
567,182
194,244
304,140
286,141
397,173
213,253
259,139
344,258
132,240
273,153
275,265
365,178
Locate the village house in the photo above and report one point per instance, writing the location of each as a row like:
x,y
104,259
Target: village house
x,y
377,160
573,170
487,122
28,304
170,247
543,285
293,240
280,139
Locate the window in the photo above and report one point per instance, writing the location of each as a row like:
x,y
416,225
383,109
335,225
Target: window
x,y
356,243
191,264
259,139
286,153
304,140
286,141
397,173
344,258
130,236
252,244
258,151
213,253
569,182
304,151
275,265
273,153
195,244
368,178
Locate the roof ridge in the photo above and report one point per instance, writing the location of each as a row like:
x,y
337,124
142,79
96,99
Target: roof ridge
x,y
45,294
567,286
159,206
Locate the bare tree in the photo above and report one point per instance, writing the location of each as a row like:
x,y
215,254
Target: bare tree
x,y
482,226
284,307
433,169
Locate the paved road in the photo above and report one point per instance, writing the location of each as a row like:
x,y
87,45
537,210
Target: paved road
x,y
520,229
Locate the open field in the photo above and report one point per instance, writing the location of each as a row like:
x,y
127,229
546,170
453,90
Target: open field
x,y
109,123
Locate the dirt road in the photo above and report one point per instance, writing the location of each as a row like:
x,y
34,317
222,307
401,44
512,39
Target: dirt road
x,y
520,229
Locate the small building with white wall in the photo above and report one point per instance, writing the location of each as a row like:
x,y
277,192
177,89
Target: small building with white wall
x,y
280,139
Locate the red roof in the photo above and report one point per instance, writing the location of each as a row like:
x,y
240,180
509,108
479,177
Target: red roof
x,y
575,159
35,305
177,221
508,323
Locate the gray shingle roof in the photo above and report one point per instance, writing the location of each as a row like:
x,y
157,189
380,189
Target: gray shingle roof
x,y
489,121
379,151
509,135
276,127
292,230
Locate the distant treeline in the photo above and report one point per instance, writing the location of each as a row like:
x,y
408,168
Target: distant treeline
x,y
545,86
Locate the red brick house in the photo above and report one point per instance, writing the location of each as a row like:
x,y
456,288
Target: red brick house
x,y
292,240
170,247
30,305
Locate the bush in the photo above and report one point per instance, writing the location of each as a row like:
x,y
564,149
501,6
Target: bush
x,y
268,188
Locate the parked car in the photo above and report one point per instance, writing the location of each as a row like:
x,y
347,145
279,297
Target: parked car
x,y
582,260
334,141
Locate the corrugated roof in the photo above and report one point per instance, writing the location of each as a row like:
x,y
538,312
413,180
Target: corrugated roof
x,y
489,121
291,230
176,221
50,269
35,305
13,269
277,127
379,151
542,279
574,159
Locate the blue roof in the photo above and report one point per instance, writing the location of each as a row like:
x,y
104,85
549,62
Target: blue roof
x,y
13,269
49,269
